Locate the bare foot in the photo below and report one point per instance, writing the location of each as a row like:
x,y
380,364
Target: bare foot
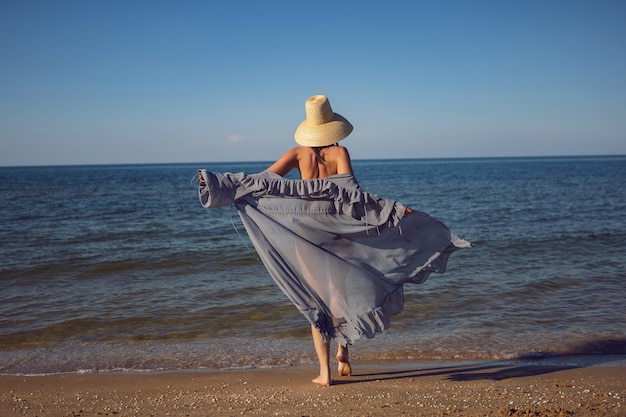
x,y
344,367
322,381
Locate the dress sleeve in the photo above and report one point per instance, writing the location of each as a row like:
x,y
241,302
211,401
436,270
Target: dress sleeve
x,y
219,190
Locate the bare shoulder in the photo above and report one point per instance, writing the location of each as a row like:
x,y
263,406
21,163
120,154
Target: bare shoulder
x,y
287,162
298,152
341,158
337,151
304,150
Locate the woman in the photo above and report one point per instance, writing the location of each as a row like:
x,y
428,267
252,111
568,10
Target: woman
x,y
319,156
340,254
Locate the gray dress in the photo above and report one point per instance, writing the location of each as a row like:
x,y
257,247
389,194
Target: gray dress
x,y
340,254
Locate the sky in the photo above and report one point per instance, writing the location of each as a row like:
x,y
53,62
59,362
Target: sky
x,y
128,82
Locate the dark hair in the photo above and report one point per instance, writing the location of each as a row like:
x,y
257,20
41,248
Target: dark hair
x,y
318,149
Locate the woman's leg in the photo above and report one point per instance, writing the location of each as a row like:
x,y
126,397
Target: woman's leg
x,y
322,349
343,359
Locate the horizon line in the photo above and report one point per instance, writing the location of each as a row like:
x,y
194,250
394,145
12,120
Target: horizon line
x,y
353,160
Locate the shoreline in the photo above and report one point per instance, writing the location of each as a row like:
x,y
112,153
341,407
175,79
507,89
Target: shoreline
x,y
560,386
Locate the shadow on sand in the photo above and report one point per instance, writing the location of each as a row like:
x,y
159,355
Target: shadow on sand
x,y
590,354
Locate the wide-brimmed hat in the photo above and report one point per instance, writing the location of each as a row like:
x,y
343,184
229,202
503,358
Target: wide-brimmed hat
x,y
322,127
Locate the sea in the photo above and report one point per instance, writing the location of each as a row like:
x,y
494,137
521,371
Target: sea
x,y
109,268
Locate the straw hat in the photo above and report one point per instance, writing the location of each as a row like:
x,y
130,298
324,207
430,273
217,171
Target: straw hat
x,y
321,127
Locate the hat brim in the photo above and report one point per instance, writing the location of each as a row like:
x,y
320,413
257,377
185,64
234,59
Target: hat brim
x,y
325,134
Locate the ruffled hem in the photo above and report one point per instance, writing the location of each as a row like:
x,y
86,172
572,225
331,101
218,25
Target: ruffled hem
x,y
365,325
343,190
349,199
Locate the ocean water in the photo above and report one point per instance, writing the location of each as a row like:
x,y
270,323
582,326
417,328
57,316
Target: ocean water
x,y
106,268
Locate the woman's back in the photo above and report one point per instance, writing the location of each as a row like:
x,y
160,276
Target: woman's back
x,y
324,162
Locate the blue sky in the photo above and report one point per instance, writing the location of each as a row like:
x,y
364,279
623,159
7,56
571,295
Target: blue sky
x,y
93,82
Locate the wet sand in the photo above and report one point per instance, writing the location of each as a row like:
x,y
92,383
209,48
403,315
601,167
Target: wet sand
x,y
520,388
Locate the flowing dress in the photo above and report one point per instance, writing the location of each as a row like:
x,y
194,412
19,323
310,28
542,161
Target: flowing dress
x,y
340,254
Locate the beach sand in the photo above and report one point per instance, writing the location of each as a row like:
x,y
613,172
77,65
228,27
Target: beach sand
x,y
520,388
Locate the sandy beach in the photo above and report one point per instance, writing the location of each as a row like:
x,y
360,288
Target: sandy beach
x,y
520,388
